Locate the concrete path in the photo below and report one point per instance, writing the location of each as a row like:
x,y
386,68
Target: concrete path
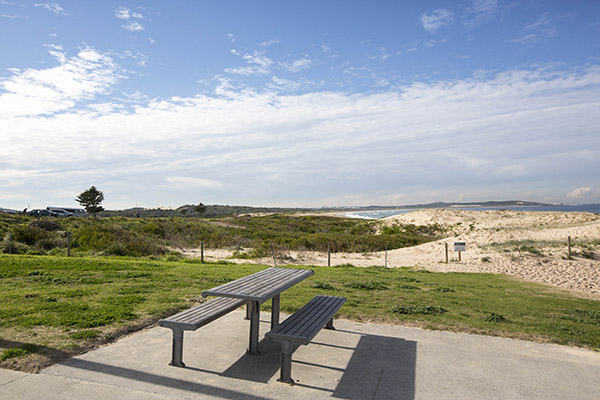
x,y
357,361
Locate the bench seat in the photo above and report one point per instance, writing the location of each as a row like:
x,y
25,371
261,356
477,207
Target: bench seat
x,y
194,318
301,327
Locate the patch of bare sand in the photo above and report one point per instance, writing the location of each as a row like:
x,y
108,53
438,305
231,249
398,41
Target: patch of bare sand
x,y
526,244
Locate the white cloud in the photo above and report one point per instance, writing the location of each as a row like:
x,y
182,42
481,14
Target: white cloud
x,y
52,7
436,19
45,91
259,64
524,132
580,193
126,13
133,26
297,65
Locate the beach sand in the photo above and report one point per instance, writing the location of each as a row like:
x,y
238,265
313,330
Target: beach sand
x,y
528,244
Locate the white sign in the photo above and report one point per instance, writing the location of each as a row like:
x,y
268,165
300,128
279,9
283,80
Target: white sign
x,y
460,246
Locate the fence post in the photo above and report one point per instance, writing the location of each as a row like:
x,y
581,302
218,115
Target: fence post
x,y
201,252
446,252
68,244
386,255
328,255
569,243
273,252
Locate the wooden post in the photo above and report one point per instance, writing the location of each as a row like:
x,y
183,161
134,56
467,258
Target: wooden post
x,y
569,243
68,244
328,254
446,253
459,255
201,252
273,252
386,255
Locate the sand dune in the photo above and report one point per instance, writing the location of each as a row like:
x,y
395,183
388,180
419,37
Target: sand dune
x,y
526,244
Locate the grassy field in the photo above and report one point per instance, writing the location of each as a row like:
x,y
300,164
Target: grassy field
x,y
54,307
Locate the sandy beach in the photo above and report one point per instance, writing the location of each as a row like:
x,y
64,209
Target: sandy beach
x,y
526,244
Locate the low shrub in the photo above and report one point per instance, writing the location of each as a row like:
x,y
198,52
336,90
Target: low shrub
x,y
420,309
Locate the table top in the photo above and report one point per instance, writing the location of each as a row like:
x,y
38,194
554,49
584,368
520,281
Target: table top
x,y
262,285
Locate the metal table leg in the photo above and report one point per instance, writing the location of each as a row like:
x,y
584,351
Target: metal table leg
x,y
254,322
275,312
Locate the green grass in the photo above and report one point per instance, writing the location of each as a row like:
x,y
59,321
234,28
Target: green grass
x,y
53,307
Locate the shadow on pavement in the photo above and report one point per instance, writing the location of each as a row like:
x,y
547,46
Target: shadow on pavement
x,y
154,379
381,367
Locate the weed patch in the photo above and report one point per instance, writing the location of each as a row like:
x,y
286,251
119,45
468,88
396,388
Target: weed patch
x,y
426,310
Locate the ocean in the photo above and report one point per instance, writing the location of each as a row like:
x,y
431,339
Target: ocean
x,y
376,214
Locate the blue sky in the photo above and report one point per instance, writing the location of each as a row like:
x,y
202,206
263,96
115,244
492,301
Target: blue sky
x,y
272,103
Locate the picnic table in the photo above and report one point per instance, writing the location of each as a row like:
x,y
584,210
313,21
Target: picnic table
x,y
257,289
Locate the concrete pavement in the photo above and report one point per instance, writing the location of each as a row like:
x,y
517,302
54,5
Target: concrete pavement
x,y
357,361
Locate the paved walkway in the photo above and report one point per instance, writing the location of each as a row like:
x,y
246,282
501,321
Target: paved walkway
x,y
357,361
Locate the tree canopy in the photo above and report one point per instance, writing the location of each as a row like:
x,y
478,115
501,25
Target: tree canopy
x,y
91,199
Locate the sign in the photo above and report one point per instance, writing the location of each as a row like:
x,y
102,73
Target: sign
x,y
460,246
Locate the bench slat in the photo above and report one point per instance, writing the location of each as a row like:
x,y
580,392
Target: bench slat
x,y
202,314
261,285
304,324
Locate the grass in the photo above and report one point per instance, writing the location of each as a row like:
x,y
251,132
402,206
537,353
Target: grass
x,y
54,307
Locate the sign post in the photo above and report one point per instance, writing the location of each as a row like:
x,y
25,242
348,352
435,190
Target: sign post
x,y
460,247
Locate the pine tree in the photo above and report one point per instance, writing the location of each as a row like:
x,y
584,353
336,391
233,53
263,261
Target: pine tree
x,y
90,200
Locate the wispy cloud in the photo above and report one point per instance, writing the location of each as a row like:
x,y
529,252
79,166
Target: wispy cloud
x,y
297,65
382,55
287,85
436,19
52,7
269,43
133,26
541,29
190,183
479,12
258,64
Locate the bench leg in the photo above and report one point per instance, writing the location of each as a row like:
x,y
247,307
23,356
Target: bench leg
x,y
254,324
330,325
275,311
176,358
286,363
248,311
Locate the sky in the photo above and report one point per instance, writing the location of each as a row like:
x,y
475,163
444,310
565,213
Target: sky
x,y
299,103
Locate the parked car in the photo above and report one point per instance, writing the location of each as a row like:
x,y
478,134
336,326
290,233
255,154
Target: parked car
x,y
75,212
60,213
42,213
7,211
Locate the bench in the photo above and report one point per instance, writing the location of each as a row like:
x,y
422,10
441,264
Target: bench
x,y
301,327
194,318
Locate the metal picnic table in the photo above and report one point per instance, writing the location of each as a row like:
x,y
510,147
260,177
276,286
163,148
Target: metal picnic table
x,y
258,288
